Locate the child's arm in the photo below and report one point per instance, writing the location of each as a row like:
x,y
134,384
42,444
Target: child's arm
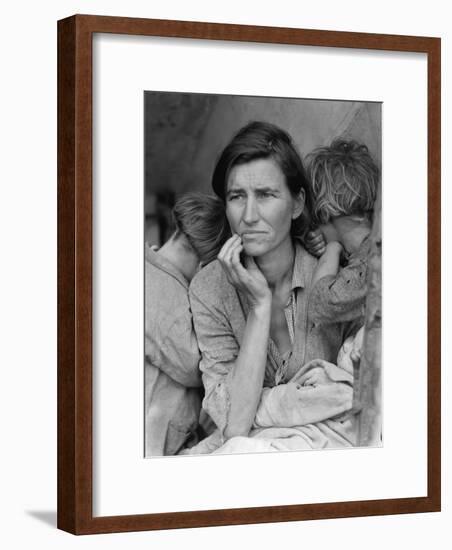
x,y
340,295
328,264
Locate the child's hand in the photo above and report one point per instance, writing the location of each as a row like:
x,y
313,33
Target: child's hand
x,y
315,243
315,377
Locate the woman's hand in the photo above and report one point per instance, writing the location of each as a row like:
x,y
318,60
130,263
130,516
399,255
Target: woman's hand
x,y
247,379
249,278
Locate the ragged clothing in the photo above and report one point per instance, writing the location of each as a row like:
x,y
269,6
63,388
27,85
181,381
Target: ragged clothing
x,y
220,313
173,388
319,391
342,297
311,411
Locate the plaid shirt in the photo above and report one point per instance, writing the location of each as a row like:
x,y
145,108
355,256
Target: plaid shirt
x,y
277,363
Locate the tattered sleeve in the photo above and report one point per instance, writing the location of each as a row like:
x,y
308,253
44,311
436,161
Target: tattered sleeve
x,y
170,340
219,350
339,298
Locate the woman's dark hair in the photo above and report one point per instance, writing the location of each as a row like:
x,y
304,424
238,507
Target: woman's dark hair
x,y
259,140
344,180
202,220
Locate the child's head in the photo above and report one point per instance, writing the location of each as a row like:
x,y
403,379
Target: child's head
x,y
202,221
343,179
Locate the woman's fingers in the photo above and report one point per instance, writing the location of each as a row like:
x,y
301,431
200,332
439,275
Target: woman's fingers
x,y
233,252
236,264
230,255
225,249
250,264
224,255
238,271
248,277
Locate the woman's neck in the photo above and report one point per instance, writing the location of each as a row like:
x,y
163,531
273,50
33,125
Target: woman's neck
x,y
277,265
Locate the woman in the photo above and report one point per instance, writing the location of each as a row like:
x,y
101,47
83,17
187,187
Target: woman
x,y
250,306
173,387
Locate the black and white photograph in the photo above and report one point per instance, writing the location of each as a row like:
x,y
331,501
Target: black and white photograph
x,y
207,187
262,274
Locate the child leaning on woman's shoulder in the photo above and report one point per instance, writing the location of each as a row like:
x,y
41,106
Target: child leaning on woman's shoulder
x,y
344,180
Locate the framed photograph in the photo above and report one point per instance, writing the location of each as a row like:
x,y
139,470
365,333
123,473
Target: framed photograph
x,y
248,274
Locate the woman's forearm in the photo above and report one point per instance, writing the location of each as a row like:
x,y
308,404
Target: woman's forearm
x,y
247,382
290,404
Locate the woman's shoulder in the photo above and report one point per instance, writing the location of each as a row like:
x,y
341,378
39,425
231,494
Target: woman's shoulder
x,y
210,276
211,281
305,262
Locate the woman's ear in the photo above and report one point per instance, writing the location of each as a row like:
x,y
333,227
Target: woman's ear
x,y
299,203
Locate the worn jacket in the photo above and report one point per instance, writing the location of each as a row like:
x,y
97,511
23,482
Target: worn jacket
x,y
172,376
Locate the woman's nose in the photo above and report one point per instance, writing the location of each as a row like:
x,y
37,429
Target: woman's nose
x,y
251,214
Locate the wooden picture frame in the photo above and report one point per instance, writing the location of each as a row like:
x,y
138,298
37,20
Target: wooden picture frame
x,y
75,274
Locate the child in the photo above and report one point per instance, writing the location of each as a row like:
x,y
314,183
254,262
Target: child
x,y
344,181
173,387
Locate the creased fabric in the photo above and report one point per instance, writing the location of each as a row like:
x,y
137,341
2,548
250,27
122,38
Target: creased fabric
x,y
170,340
173,387
297,403
342,297
219,314
297,416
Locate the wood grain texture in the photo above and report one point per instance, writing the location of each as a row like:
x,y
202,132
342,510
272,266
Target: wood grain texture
x,y
434,274
74,276
66,277
75,273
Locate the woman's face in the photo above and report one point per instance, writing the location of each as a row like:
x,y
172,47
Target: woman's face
x,y
259,205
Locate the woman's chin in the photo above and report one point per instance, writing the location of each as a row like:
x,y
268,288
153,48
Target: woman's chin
x,y
254,249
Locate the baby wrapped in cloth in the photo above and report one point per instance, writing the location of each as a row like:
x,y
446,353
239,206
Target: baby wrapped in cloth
x,y
311,411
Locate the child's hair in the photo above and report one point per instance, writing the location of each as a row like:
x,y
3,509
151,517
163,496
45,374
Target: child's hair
x,y
201,219
343,179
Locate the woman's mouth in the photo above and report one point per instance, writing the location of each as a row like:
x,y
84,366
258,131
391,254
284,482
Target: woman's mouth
x,y
251,234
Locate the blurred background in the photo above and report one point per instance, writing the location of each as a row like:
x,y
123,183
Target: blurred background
x,y
185,134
